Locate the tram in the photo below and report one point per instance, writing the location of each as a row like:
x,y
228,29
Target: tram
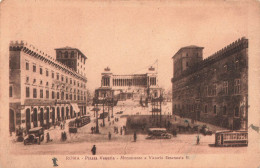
x,y
231,138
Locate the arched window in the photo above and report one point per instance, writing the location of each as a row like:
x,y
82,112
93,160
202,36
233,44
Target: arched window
x,y
66,54
59,54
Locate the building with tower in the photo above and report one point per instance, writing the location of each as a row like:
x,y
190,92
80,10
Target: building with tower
x,y
212,90
42,89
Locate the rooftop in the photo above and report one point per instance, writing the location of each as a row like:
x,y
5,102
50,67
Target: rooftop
x,y
188,47
70,48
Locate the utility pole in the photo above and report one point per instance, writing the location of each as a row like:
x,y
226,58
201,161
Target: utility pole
x,y
108,108
112,107
161,98
103,112
96,109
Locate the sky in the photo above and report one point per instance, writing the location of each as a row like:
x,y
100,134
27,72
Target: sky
x,y
127,36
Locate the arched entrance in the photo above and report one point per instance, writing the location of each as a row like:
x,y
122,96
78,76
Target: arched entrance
x,y
35,119
28,122
62,113
41,117
67,112
47,116
11,120
58,114
53,115
71,112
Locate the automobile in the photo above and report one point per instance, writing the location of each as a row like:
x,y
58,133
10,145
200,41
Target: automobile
x,y
158,133
35,135
205,130
120,112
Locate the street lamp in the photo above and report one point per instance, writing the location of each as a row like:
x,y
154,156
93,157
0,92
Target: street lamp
x,y
96,109
104,111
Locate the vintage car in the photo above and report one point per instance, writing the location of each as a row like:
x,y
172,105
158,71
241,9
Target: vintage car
x,y
205,130
158,133
35,135
120,112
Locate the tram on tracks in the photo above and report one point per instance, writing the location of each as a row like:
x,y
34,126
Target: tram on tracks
x,y
231,138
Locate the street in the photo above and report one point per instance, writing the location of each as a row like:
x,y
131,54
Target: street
x,y
82,141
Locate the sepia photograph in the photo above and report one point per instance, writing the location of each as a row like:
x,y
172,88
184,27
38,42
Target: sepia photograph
x,y
129,83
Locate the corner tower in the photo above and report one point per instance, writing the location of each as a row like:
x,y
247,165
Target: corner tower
x,y
185,58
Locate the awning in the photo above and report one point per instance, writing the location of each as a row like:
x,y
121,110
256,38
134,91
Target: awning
x,y
75,107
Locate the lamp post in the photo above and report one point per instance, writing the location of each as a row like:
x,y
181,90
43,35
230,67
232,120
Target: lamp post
x,y
96,109
104,112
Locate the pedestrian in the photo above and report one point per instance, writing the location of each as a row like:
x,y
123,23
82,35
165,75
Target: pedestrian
x,y
135,137
65,136
93,150
61,126
121,130
62,136
174,133
48,137
109,136
198,140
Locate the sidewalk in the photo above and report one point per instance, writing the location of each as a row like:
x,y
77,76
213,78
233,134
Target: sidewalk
x,y
211,127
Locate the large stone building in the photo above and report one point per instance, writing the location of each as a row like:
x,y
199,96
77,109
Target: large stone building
x,y
43,89
215,89
132,86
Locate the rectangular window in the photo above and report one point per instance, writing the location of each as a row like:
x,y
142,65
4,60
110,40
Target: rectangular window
x,y
58,76
34,93
27,79
10,91
70,96
66,80
27,92
47,72
27,65
237,65
47,94
225,87
236,112
237,86
214,90
53,95
41,71
75,96
215,109
34,68
52,74
206,109
62,78
70,81
67,96
41,93
58,95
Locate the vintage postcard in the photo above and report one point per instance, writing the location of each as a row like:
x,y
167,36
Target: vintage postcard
x,y
130,83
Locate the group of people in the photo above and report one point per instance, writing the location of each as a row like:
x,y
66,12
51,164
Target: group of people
x,y
93,129
122,129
